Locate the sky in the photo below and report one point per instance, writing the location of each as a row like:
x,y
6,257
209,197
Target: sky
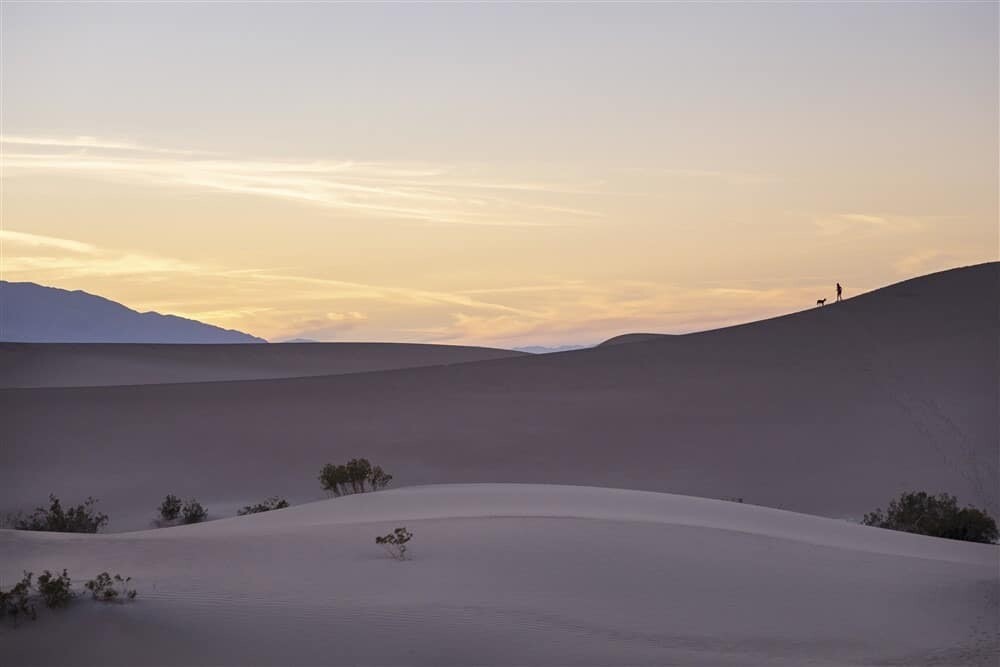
x,y
493,174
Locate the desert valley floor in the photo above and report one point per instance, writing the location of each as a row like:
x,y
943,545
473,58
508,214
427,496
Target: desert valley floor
x,y
570,508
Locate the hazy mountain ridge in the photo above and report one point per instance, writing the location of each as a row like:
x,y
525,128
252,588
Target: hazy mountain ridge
x,y
38,314
549,349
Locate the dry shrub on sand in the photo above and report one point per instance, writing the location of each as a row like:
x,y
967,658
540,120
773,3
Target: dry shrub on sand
x,y
395,542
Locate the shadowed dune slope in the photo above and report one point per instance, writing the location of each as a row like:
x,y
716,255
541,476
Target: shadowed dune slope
x,y
517,575
100,364
831,411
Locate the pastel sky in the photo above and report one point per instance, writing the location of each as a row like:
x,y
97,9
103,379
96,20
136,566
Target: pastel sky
x,y
505,174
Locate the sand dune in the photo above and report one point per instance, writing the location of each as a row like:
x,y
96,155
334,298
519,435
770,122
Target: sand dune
x,y
518,575
99,364
831,411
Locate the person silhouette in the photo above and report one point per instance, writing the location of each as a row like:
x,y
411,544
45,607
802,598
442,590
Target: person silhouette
x,y
840,291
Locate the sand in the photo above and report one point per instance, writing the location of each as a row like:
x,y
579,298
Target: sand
x,y
518,575
102,364
831,411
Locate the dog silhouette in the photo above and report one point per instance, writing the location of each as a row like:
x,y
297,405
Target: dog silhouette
x,y
820,302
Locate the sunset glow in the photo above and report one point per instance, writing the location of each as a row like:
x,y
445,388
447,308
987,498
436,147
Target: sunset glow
x,y
505,175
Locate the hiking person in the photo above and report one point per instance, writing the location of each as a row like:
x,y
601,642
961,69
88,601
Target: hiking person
x,y
840,291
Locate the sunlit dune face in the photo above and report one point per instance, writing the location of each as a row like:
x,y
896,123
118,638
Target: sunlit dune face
x,y
666,168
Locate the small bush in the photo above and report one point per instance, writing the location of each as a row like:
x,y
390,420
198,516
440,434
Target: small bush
x,y
56,591
395,542
106,588
80,519
272,503
332,477
356,476
358,471
379,479
16,603
170,508
937,516
193,512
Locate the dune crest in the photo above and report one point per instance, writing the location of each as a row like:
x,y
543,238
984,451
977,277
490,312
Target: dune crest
x,y
519,574
28,365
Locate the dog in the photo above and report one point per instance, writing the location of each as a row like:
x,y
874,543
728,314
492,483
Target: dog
x,y
820,302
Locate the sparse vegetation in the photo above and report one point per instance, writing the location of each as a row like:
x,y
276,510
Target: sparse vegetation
x,y
356,476
193,512
80,519
379,479
937,516
106,588
16,602
395,542
56,590
272,503
170,508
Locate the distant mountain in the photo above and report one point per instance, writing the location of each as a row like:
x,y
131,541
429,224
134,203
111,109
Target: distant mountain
x,y
542,349
39,314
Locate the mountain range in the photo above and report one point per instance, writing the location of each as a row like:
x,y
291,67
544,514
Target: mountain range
x,y
37,314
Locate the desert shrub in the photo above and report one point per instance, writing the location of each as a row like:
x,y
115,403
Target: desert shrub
x,y
395,542
356,476
170,508
937,516
56,590
193,512
272,503
379,479
358,471
80,519
16,602
106,588
330,479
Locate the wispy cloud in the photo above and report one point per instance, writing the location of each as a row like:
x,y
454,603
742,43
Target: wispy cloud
x,y
865,223
39,241
61,258
582,310
936,259
91,142
352,290
730,177
278,304
135,265
724,176
427,193
286,302
329,326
